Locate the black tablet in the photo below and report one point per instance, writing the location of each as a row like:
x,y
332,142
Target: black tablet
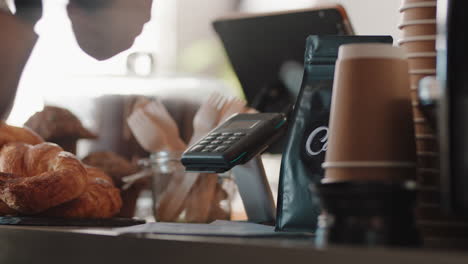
x,y
266,49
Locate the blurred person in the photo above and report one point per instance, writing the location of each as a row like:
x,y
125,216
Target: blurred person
x,y
17,40
103,28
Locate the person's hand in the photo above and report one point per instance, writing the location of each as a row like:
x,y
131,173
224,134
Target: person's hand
x,y
29,10
154,128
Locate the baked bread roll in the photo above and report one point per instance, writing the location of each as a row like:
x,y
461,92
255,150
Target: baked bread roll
x,y
112,164
36,178
56,122
117,167
99,200
60,126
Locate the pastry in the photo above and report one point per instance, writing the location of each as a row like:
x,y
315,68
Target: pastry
x,y
99,200
112,164
117,167
40,178
36,178
10,134
60,126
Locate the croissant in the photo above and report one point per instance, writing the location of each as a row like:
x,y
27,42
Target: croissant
x,y
36,178
10,134
100,199
46,180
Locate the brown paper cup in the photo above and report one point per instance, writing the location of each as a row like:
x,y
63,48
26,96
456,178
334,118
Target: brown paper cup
x,y
424,72
419,120
428,160
417,11
432,212
450,234
418,44
368,174
428,145
418,28
428,177
405,2
420,61
423,128
429,197
371,133
415,100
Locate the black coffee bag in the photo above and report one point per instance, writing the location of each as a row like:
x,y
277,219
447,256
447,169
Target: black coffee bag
x,y
306,144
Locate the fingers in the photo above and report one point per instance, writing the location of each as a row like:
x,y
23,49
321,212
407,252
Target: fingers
x,y
234,106
214,97
141,103
157,108
145,130
250,110
138,120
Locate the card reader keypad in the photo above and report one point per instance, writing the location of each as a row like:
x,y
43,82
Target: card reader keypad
x,y
217,142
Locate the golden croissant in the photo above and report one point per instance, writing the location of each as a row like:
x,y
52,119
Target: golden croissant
x,y
99,200
40,178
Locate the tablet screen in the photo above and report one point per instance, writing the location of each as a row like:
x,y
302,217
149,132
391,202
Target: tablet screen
x,y
264,50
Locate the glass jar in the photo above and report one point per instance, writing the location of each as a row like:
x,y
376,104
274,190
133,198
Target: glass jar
x,y
179,196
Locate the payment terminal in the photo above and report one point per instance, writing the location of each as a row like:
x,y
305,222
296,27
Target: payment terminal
x,y
234,142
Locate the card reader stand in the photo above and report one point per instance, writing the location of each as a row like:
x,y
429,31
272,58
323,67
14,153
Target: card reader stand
x,y
255,191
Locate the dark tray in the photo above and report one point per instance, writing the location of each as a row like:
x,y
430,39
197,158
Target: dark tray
x,y
44,221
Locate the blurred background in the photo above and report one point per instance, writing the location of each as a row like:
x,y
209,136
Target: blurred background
x,y
177,49
177,55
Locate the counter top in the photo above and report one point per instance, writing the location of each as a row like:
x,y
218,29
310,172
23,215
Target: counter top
x,y
73,245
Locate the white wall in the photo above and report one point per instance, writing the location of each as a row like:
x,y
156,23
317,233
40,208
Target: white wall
x,y
193,18
372,17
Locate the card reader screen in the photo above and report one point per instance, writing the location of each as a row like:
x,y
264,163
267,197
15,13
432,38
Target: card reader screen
x,y
242,124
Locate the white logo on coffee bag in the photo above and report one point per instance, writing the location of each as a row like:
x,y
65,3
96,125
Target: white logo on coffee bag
x,y
312,138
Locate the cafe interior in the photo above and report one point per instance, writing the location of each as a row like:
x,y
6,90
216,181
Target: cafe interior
x,y
271,131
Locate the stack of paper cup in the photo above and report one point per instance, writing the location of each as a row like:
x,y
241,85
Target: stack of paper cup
x,y
418,39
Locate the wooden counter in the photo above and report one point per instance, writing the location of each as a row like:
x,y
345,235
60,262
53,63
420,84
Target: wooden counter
x,y
67,246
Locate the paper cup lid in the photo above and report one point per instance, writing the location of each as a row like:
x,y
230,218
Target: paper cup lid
x,y
420,120
426,137
417,22
370,50
423,71
412,55
417,38
368,164
427,154
417,5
